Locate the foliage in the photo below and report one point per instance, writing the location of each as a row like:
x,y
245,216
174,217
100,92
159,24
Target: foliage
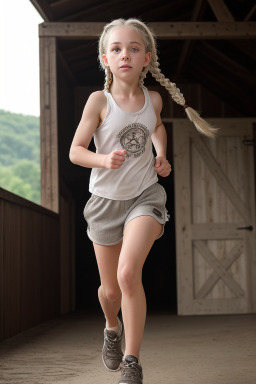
x,y
20,155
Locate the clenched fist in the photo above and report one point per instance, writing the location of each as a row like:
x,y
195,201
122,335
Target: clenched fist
x,y
162,167
115,159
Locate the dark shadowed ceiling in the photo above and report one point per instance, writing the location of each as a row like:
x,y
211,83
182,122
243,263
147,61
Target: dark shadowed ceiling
x,y
226,67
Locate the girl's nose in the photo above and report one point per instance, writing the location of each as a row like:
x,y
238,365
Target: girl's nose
x,y
125,56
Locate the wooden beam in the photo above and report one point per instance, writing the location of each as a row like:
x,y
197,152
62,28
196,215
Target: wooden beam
x,y
232,66
163,30
188,44
48,124
43,9
221,11
251,12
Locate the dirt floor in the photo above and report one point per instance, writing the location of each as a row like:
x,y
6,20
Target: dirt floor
x,y
175,350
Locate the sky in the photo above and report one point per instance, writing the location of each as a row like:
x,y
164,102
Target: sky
x,y
19,57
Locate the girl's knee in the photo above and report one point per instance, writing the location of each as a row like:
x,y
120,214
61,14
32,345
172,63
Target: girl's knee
x,y
112,294
128,278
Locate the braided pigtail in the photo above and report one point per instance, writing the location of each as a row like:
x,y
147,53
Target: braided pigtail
x,y
143,75
108,79
201,125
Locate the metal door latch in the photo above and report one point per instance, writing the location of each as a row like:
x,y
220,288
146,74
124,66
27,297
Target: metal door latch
x,y
249,228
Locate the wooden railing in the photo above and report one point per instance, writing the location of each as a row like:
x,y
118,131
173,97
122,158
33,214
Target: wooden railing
x,y
31,264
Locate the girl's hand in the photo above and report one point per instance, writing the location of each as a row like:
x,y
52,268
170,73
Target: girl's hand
x,y
162,166
115,159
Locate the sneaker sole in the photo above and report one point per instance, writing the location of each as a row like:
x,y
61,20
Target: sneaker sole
x,y
111,370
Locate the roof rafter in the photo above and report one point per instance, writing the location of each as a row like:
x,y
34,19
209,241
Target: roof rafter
x,y
250,13
43,9
230,65
188,44
221,11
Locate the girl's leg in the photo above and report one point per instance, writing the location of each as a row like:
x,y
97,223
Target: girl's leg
x,y
109,291
139,236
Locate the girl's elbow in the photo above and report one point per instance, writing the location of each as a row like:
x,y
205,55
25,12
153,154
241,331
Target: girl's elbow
x,y
72,156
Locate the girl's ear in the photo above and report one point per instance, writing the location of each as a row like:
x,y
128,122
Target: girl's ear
x,y
147,59
105,60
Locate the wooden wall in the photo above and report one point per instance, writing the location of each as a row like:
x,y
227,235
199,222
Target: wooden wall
x,y
32,269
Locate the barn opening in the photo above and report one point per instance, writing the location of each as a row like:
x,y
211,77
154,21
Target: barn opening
x,y
208,51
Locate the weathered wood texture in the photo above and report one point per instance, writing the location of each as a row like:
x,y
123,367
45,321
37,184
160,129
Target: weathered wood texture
x,y
163,30
36,263
48,124
221,11
215,203
30,260
67,251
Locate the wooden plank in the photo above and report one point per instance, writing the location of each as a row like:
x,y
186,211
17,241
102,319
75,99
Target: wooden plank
x,y
221,11
11,271
183,218
251,240
44,9
20,201
250,13
163,30
219,268
48,124
47,233
219,306
221,177
213,279
216,231
65,271
30,270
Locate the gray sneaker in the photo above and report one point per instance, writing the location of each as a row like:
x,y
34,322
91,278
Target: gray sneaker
x,y
112,354
131,371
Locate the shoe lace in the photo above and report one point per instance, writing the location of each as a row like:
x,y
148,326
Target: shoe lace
x,y
130,370
112,344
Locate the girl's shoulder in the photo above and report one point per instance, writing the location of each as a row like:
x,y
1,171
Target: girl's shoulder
x,y
98,97
156,100
96,102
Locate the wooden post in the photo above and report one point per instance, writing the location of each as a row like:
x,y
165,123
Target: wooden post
x,y
48,124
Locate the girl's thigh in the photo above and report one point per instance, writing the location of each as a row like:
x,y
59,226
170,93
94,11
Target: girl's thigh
x,y
139,236
107,257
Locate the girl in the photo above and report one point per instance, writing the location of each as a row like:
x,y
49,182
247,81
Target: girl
x,y
126,212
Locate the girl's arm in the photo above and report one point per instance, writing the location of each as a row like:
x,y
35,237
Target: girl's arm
x,y
79,153
159,138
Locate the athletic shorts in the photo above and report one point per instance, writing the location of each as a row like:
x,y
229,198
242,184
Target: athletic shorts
x,y
106,219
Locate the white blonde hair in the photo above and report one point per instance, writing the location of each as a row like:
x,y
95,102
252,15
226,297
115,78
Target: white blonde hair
x,y
150,46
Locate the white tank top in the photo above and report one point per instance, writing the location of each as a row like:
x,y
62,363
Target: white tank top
x,y
130,131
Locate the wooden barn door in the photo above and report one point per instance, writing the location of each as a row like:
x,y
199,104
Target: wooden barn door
x,y
215,218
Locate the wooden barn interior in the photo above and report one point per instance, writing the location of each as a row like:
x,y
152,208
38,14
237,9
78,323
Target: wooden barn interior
x,y
205,264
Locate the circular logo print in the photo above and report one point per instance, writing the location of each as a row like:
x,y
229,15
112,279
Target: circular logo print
x,y
133,139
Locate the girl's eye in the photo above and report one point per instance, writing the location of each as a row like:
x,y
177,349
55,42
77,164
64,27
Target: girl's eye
x,y
116,49
134,49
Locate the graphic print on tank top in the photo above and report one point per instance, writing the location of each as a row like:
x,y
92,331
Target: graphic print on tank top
x,y
133,139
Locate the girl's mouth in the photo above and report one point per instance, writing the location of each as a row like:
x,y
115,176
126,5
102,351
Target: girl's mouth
x,y
125,66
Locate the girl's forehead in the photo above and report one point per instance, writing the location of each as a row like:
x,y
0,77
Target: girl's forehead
x,y
125,34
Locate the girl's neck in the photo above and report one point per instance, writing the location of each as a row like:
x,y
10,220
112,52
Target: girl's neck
x,y
126,89
129,98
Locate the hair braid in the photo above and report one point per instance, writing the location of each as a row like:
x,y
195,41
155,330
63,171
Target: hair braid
x,y
171,87
108,79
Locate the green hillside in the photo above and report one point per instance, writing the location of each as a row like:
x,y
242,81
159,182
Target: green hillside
x,y
20,155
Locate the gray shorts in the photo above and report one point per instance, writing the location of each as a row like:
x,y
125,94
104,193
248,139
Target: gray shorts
x,y
106,219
